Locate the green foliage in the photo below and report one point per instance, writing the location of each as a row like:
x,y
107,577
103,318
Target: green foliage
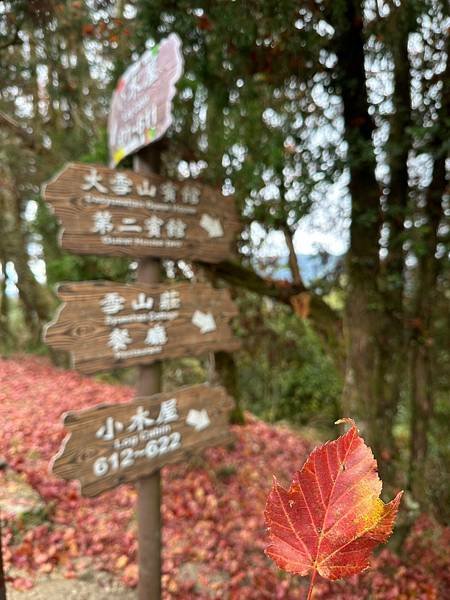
x,y
98,150
439,459
247,108
284,373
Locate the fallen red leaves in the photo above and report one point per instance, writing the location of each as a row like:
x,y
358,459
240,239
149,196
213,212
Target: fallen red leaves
x,y
214,532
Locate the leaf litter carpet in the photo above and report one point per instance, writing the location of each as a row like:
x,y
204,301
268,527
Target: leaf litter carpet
x,y
213,508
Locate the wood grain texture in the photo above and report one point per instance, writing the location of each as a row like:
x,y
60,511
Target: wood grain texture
x,y
82,328
77,210
82,447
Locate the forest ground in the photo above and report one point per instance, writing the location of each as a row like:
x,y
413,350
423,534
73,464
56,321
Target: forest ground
x,y
56,587
214,532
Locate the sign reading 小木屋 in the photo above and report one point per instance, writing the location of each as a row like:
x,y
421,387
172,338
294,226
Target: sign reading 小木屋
x,y
141,107
121,213
107,325
113,444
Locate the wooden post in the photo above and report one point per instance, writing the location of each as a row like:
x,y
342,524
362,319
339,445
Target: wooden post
x,y
149,382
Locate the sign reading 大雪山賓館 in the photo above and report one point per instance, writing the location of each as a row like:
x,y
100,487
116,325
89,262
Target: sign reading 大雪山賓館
x,y
120,213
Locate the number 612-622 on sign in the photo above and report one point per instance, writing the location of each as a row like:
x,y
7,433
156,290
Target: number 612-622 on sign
x,y
126,458
112,444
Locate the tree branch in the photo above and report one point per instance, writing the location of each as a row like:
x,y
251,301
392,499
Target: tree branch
x,y
293,261
239,276
326,322
9,123
15,39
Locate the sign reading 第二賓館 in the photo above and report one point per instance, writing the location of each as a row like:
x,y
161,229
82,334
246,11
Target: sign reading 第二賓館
x,y
113,444
141,107
107,325
121,213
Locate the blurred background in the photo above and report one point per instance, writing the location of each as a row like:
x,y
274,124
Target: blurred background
x,y
328,121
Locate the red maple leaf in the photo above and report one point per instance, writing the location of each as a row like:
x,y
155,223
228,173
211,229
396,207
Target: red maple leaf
x,y
332,517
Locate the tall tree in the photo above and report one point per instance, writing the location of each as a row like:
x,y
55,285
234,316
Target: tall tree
x,y
280,101
430,266
55,88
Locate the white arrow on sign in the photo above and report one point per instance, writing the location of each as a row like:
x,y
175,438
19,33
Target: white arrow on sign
x,y
212,226
204,321
198,419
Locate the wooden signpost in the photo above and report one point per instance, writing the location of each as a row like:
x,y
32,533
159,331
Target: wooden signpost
x,y
121,213
113,444
142,101
107,325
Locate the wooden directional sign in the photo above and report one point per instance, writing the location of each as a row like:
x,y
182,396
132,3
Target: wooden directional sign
x,y
106,325
113,444
120,213
141,108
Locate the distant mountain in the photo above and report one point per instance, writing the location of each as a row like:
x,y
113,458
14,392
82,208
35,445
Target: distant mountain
x,y
312,266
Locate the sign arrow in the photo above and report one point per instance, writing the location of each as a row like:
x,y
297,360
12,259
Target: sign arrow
x,y
212,226
204,321
198,419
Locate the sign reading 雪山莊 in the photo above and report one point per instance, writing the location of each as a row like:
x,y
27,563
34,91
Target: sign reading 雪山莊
x,y
107,325
121,213
113,444
142,101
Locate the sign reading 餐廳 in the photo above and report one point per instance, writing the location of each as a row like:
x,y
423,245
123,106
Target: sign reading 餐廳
x,y
121,213
106,325
113,444
141,107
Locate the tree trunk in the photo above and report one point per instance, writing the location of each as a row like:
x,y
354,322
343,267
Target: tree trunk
x,y
422,347
392,346
13,247
293,260
223,368
422,402
363,306
5,333
226,369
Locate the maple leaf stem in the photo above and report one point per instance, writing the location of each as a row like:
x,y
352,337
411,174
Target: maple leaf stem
x,y
311,585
